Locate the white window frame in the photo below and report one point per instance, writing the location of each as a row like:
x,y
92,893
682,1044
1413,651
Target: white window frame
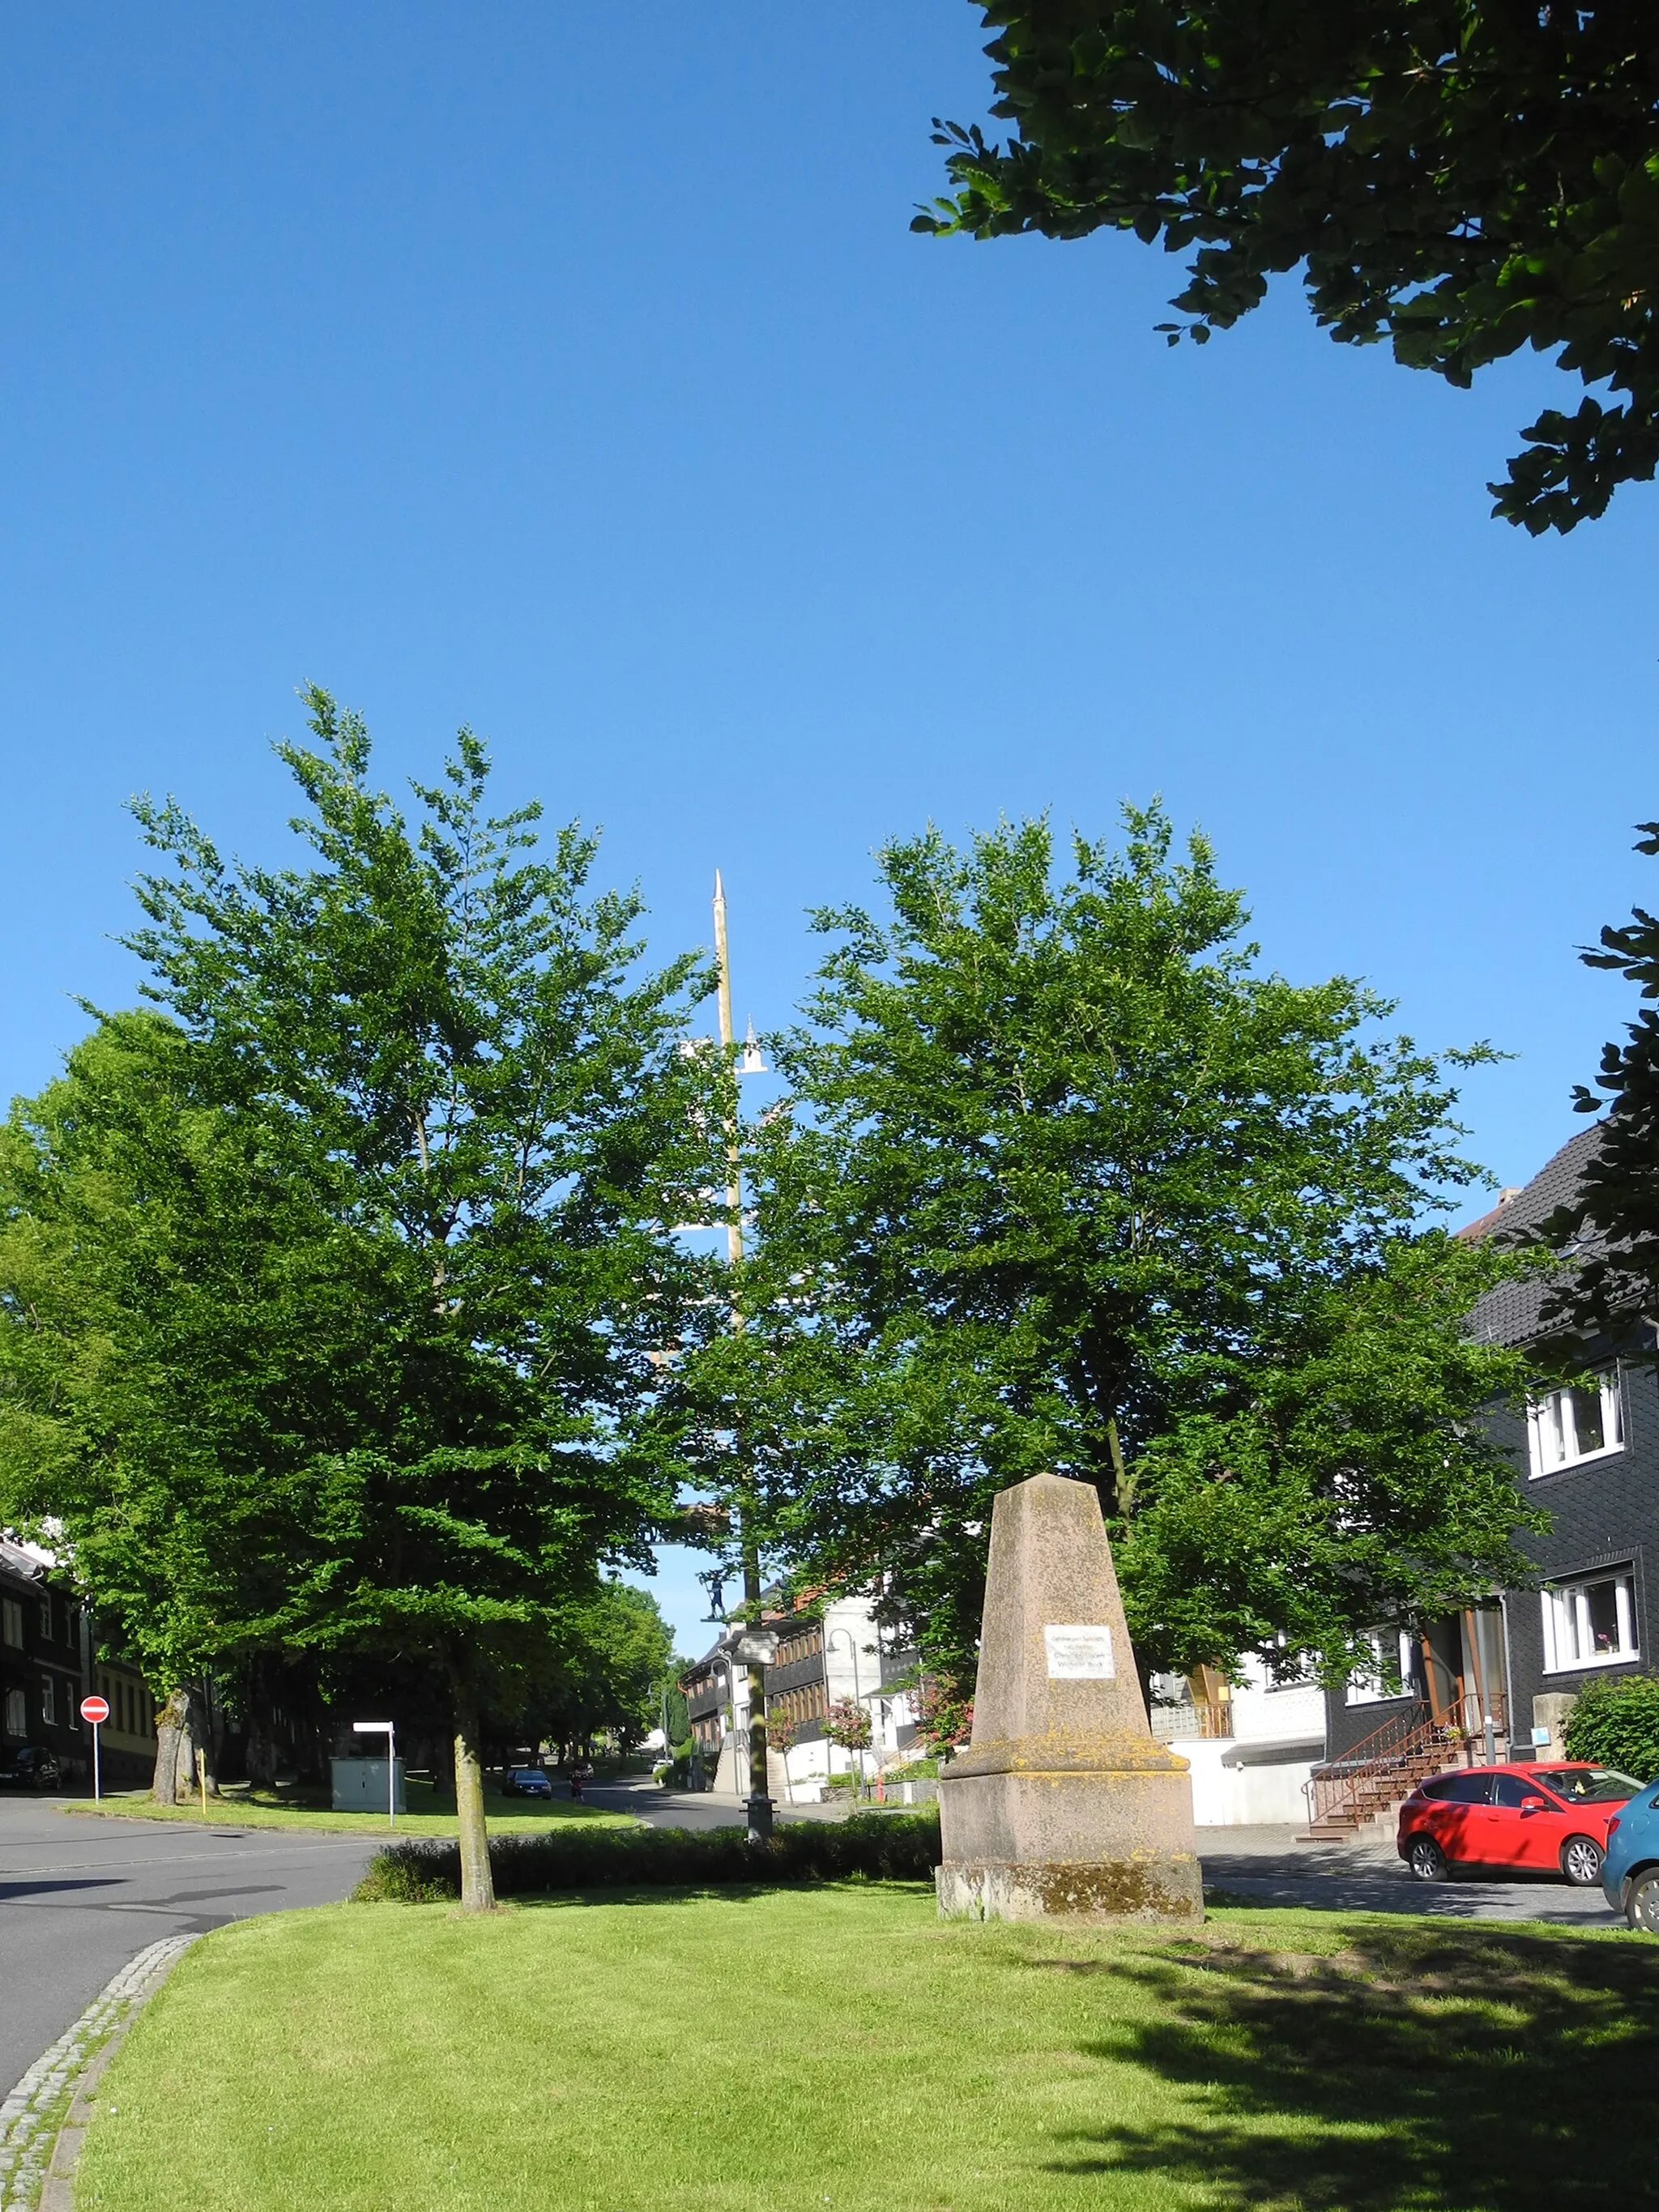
x,y
17,1714
1566,1622
11,1622
45,1619
1371,1689
49,1700
1550,1417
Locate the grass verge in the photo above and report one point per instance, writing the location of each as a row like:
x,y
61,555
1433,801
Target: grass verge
x,y
430,1814
790,2049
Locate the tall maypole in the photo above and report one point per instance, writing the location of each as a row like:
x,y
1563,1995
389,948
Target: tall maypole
x,y
752,1645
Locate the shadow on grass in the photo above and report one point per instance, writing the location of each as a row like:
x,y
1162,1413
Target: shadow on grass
x,y
1438,2068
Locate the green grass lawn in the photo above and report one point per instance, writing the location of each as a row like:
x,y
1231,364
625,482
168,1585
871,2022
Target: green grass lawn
x,y
429,1814
783,2050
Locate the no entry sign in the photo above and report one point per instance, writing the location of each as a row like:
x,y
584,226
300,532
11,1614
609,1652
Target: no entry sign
x,y
94,1709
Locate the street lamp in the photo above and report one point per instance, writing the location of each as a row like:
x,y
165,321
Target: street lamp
x,y
389,1731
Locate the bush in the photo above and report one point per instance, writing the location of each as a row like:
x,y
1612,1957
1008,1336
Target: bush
x,y
879,1847
1615,1721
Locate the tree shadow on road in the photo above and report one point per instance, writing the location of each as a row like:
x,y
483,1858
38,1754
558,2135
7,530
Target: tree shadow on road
x,y
1423,2069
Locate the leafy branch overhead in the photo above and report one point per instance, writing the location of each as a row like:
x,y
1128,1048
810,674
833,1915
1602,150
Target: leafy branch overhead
x,y
1610,1228
1462,178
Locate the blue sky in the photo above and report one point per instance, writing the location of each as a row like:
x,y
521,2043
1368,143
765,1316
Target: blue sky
x,y
575,373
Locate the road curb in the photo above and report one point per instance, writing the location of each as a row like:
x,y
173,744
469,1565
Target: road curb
x,y
43,2121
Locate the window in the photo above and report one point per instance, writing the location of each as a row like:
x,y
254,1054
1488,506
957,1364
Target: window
x,y
1512,1790
1389,1674
1288,1669
1589,1785
1566,1426
1471,1788
48,1701
45,1619
11,1623
18,1715
1590,1623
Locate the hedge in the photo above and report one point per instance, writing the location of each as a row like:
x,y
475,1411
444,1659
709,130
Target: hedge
x,y
880,1846
1615,1721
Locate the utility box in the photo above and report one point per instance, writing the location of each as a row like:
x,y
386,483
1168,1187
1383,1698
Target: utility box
x,y
360,1785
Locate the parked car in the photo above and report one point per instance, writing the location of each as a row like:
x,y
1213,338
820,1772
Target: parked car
x,y
1546,1818
1630,1876
31,1768
526,1781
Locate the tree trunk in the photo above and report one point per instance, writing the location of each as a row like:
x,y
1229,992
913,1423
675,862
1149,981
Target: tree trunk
x,y
172,1734
261,1757
477,1885
181,1729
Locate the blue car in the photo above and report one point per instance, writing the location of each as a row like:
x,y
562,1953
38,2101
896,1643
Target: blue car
x,y
1630,1872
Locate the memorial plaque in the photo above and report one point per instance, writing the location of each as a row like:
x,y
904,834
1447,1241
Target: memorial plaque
x,y
1077,1654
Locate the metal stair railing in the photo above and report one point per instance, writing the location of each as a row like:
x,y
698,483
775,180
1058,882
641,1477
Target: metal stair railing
x,y
1379,1770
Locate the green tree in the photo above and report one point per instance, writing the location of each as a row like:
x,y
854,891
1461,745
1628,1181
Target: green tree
x,y
1462,178
1611,1227
609,1652
167,1294
1070,1184
1615,1721
387,1390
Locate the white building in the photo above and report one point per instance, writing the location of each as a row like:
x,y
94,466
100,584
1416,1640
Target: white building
x,y
1251,1749
839,1657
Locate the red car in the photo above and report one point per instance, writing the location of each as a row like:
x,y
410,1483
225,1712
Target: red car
x,y
1549,1818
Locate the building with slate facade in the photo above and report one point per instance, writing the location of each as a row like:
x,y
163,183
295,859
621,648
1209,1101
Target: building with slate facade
x,y
47,1665
1589,1457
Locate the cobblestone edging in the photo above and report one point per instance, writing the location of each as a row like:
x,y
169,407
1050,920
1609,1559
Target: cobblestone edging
x,y
43,2120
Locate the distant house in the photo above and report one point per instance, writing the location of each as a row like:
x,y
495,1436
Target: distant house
x,y
829,1653
45,1649
1505,1673
47,1666
126,1748
1251,1741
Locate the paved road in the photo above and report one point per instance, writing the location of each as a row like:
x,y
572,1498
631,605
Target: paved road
x,y
666,1808
80,1895
1268,1866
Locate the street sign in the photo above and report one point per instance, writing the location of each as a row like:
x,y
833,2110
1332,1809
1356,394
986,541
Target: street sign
x,y
95,1712
757,1647
388,1729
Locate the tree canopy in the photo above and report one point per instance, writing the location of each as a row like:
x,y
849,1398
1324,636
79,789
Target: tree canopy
x,y
1611,1228
608,1654
1461,178
1068,1183
333,1289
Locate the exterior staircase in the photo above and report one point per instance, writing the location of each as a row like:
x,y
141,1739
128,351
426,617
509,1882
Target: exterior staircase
x,y
1366,1783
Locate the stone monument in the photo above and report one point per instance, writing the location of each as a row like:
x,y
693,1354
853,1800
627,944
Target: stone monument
x,y
1063,1804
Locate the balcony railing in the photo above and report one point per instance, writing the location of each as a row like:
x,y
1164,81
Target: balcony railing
x,y
1179,1724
